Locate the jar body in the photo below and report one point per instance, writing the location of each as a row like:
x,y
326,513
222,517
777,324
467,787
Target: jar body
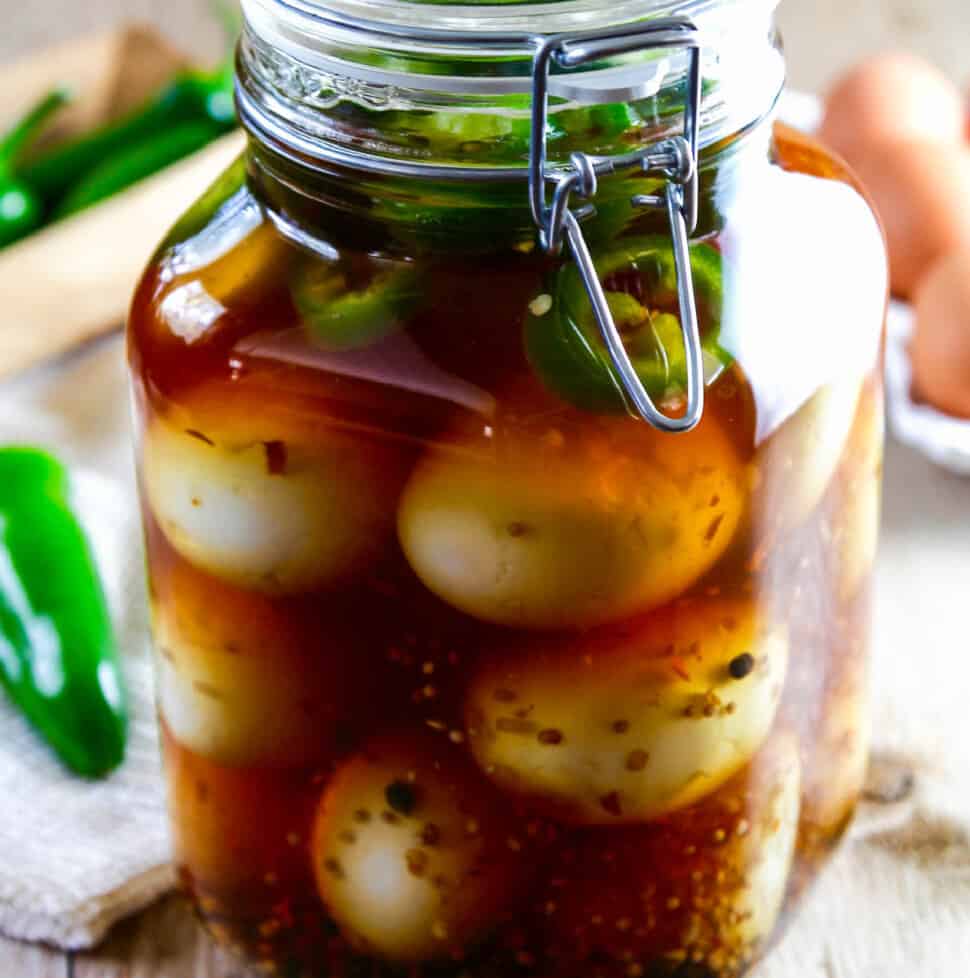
x,y
461,668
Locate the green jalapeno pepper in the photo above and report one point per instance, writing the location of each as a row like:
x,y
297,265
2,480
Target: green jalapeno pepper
x,y
190,98
58,659
340,318
562,339
494,137
118,154
136,163
21,209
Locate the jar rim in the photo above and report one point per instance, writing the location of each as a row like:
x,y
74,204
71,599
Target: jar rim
x,y
385,47
301,59
461,24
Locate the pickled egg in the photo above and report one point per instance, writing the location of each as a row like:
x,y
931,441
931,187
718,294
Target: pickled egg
x,y
894,95
537,536
919,190
238,680
940,347
411,851
707,886
796,464
267,499
630,726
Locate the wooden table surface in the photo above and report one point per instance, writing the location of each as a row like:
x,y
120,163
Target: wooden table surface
x,y
822,36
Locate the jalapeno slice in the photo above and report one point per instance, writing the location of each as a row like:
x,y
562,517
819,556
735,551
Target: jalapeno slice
x,y
563,341
338,317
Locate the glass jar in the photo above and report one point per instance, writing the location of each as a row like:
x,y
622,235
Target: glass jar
x,y
510,559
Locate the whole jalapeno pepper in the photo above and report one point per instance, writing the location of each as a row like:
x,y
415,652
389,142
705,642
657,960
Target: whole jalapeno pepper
x,y
58,658
21,209
136,163
562,339
138,139
338,317
191,97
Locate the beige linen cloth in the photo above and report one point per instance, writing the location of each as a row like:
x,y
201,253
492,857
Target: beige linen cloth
x,y
75,857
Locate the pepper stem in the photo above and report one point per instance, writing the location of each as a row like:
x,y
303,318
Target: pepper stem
x,y
29,127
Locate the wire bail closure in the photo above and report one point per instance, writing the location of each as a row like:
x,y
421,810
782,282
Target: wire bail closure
x,y
675,158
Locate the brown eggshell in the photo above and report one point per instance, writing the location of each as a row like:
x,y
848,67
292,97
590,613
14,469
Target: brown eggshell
x,y
919,189
894,95
940,348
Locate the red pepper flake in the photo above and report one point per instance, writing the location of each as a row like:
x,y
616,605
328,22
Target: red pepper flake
x,y
611,804
276,457
333,867
550,737
636,760
514,725
678,666
192,433
713,528
417,862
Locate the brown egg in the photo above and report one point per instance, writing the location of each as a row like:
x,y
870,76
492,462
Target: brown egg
x,y
891,96
919,189
940,348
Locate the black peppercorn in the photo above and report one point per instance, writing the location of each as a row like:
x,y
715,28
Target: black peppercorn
x,y
741,665
401,797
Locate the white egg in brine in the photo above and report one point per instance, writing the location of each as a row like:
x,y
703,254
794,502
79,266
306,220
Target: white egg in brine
x,y
545,539
410,851
630,726
266,506
239,683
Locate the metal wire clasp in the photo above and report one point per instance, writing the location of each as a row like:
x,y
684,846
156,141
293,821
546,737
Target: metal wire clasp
x,y
675,158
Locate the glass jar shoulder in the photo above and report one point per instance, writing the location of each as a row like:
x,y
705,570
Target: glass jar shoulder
x,y
805,278
789,278
217,271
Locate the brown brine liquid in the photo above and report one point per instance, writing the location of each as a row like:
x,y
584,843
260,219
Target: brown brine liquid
x,y
456,678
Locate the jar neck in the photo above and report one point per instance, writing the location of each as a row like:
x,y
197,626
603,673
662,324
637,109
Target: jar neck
x,y
350,115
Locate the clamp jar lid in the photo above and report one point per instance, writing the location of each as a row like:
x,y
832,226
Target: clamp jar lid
x,y
575,56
